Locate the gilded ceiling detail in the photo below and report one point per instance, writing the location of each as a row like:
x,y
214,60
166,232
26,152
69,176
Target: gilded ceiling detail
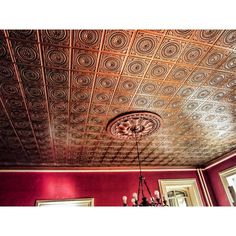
x,y
59,89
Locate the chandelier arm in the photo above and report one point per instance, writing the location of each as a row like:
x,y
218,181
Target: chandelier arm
x,y
141,179
147,188
139,186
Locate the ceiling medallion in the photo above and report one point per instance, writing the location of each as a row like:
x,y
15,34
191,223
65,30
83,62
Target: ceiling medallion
x,y
135,123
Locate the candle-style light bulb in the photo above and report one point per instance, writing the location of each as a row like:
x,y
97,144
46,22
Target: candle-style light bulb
x,y
133,201
135,196
157,194
124,198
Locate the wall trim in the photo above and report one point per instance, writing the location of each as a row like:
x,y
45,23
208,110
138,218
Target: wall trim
x,y
221,159
205,187
102,169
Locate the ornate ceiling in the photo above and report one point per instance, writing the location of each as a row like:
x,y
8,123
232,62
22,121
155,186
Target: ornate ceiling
x,y
59,89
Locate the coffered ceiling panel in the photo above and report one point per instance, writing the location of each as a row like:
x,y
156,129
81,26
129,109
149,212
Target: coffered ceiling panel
x,y
59,89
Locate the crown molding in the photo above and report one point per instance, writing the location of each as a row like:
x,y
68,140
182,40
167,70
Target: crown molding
x,y
100,169
221,159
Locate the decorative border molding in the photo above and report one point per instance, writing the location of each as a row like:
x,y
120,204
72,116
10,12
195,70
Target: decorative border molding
x,y
84,170
204,187
221,159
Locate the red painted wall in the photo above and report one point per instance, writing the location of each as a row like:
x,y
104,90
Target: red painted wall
x,y
107,188
214,181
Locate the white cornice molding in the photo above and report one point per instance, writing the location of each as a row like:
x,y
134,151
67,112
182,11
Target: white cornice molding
x,y
220,160
99,170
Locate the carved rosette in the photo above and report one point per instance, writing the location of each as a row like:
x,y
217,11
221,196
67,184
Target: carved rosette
x,y
131,124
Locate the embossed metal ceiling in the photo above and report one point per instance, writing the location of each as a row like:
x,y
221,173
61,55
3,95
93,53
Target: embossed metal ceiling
x,y
59,88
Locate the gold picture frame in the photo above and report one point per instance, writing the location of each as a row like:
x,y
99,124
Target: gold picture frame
x,y
80,202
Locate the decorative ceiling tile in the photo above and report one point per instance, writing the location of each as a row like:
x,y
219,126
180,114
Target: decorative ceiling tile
x,y
230,64
180,33
26,53
28,35
202,93
80,95
121,99
193,53
116,110
87,39
148,87
168,89
80,80
128,84
30,76
179,74
101,97
142,101
56,77
99,110
135,67
56,57
206,36
4,53
175,104
198,76
145,44
170,49
57,37
159,103
230,83
158,70
219,95
217,79
59,89
106,82
84,60
227,39
214,57
117,40
110,63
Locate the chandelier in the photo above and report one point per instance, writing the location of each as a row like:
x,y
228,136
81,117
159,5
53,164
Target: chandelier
x,y
134,126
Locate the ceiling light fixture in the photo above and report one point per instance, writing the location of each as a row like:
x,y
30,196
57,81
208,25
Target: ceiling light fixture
x,y
134,126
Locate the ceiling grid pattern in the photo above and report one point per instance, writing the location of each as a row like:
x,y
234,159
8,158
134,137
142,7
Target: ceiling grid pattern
x,y
59,89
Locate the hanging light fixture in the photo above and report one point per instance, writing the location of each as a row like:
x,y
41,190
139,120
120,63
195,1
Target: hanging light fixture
x,y
136,125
